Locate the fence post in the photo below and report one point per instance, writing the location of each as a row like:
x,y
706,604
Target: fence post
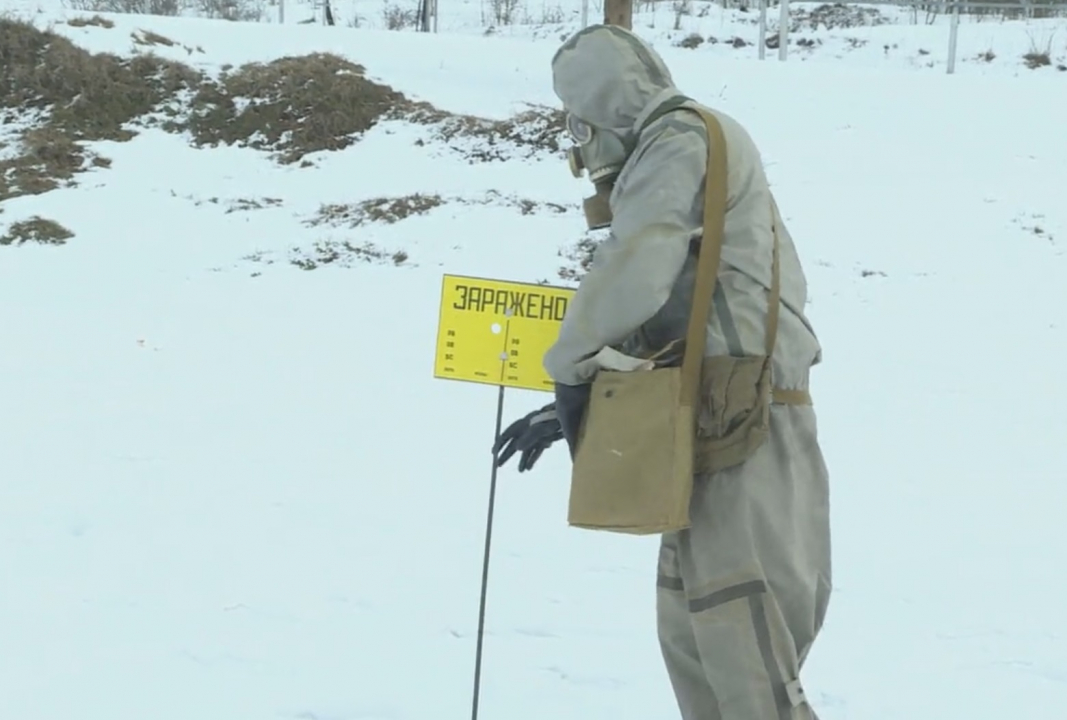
x,y
783,28
619,12
585,13
762,29
953,33
281,12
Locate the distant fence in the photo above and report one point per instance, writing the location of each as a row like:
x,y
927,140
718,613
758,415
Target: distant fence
x,y
954,7
428,12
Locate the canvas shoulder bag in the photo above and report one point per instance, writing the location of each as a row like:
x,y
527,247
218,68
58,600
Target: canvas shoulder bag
x,y
646,433
634,464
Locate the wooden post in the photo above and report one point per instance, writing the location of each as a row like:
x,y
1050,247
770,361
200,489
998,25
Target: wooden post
x,y
619,12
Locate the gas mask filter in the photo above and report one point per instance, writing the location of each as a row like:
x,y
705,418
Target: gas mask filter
x,y
602,155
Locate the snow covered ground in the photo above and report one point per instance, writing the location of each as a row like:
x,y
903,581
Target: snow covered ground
x,y
230,488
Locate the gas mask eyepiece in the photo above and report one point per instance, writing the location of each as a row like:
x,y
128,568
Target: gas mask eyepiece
x,y
582,134
602,155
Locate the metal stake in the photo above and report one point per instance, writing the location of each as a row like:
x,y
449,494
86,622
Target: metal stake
x,y
485,561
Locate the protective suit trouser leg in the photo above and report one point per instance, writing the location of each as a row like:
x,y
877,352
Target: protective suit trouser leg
x,y
742,593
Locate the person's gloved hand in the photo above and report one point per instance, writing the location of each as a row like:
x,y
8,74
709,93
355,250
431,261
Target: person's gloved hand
x,y
531,436
571,404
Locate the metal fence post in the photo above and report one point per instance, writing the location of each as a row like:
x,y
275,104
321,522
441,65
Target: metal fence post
x,y
783,28
762,29
953,34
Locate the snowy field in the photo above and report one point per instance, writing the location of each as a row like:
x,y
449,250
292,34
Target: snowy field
x,y
230,488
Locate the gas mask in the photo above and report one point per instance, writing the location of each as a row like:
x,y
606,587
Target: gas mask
x,y
601,154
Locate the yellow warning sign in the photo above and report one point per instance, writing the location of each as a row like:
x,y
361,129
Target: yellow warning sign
x,y
497,332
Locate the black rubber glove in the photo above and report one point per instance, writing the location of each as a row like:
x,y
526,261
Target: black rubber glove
x,y
531,436
571,402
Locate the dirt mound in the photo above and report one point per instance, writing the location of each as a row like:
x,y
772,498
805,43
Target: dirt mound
x,y
73,96
88,96
293,106
54,96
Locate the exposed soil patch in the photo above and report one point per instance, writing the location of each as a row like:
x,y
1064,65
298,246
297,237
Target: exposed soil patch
x,y
149,38
382,209
535,131
291,106
63,97
36,230
577,258
835,15
94,21
249,204
1034,60
345,254
389,210
73,96
43,159
84,96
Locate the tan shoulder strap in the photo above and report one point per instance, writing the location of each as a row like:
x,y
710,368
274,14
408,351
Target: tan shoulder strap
x,y
708,259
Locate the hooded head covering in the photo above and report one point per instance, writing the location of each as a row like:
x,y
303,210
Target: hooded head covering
x,y
611,79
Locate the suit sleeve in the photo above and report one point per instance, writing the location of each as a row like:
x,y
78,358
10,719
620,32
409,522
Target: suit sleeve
x,y
635,268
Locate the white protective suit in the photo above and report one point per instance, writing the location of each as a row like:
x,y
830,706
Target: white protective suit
x,y
742,593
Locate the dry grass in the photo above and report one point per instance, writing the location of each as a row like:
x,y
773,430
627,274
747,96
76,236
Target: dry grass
x,y
248,204
388,211
527,206
391,210
169,8
88,97
94,21
38,230
1040,54
690,41
292,106
344,254
535,131
834,15
78,96
872,273
383,210
577,259
149,38
1034,60
48,159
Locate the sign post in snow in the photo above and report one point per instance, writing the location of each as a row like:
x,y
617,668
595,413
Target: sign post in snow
x,y
496,332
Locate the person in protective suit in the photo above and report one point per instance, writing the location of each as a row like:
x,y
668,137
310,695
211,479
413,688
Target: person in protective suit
x,y
741,593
